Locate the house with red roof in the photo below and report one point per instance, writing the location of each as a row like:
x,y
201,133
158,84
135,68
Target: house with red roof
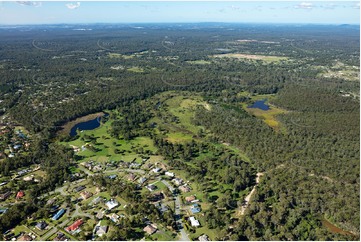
x,y
75,225
20,194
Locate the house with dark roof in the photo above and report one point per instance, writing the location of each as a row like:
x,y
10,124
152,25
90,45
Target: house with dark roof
x,y
5,195
79,188
60,237
151,187
156,197
41,225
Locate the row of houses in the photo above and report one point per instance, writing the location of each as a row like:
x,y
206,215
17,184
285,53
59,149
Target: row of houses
x,y
6,195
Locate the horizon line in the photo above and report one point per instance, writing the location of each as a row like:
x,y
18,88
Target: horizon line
x,y
195,22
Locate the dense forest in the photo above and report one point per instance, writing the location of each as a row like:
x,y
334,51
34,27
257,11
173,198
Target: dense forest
x,y
310,167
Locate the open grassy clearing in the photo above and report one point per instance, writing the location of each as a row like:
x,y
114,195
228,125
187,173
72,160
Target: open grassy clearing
x,y
183,107
117,55
268,116
199,62
98,145
251,57
136,69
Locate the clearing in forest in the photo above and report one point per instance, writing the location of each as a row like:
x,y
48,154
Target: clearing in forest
x,y
268,116
252,57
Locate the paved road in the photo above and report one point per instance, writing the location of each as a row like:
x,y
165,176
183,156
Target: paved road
x,y
183,234
86,171
78,212
128,170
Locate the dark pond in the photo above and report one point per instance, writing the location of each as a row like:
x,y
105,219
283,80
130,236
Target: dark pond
x,y
88,125
260,104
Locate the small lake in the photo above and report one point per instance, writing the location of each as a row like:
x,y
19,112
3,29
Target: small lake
x,y
260,104
87,125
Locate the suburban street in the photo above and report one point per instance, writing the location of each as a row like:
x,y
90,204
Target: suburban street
x,y
183,234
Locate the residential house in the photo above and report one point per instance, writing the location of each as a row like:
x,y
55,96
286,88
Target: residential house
x,y
20,194
190,199
3,210
97,168
85,194
100,215
170,174
101,230
111,204
112,177
177,181
41,225
131,177
22,172
151,187
25,238
75,225
113,217
60,237
58,214
194,222
96,200
195,209
79,188
142,180
185,188
28,178
50,201
5,195
134,165
150,229
156,170
156,197
203,238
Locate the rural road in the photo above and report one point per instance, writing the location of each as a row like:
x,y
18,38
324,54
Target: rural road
x,y
248,198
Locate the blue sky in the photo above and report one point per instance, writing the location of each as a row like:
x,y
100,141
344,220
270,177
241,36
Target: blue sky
x,y
49,12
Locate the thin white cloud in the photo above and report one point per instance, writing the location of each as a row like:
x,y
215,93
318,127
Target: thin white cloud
x,y
357,6
329,6
73,5
304,5
233,7
29,3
